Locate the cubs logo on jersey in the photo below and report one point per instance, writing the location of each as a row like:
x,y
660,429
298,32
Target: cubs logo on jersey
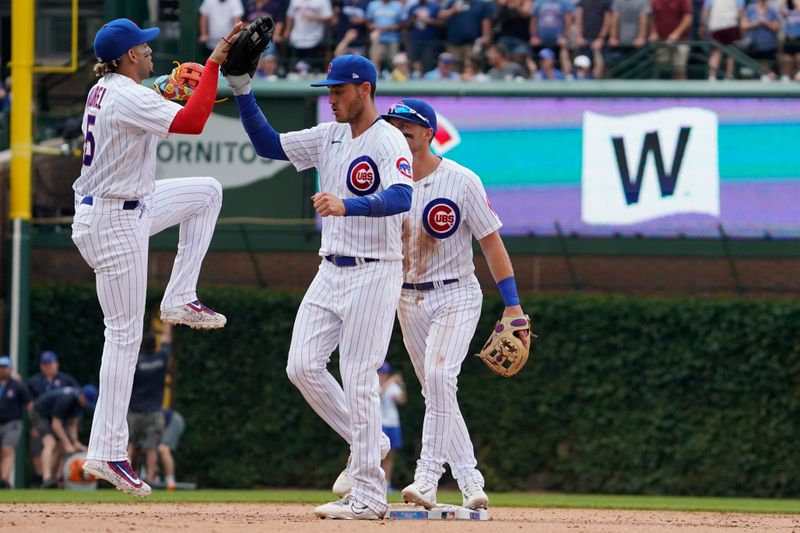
x,y
404,167
441,218
362,176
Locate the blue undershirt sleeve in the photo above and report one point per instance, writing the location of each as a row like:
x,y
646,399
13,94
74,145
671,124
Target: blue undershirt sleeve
x,y
265,139
396,199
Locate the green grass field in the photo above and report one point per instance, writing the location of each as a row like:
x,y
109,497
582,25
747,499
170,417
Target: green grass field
x,y
509,499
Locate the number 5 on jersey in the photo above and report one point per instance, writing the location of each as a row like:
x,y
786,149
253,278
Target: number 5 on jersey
x,y
88,143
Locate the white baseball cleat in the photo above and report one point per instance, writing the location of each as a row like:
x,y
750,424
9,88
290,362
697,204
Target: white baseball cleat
x,y
195,315
346,509
475,498
118,473
420,493
343,484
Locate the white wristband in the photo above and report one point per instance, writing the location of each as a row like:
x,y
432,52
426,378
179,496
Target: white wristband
x,y
239,84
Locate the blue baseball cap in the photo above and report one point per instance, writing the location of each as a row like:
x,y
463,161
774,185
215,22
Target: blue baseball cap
x,y
546,53
47,357
349,69
5,361
385,368
90,393
119,36
415,111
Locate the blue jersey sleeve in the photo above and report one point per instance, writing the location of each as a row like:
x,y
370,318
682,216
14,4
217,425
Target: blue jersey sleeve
x,y
391,201
265,139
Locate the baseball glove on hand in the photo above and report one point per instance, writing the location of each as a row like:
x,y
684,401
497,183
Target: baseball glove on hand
x,y
179,85
505,353
246,50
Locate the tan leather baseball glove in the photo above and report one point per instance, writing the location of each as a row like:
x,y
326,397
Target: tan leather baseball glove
x,y
506,351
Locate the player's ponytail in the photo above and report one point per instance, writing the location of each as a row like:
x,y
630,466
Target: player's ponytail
x,y
101,68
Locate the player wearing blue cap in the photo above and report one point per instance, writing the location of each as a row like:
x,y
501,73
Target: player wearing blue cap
x,y
119,205
365,180
441,299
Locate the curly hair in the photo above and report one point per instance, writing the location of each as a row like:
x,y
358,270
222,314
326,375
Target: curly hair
x,y
101,68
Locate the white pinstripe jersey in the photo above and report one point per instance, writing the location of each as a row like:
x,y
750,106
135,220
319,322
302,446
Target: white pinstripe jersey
x,y
448,207
350,168
121,124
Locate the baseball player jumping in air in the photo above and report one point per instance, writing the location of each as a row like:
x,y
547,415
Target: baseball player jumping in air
x,y
119,205
441,299
364,169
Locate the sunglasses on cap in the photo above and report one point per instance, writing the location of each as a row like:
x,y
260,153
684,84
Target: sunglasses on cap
x,y
403,109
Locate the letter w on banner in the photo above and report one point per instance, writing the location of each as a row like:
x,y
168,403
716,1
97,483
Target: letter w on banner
x,y
650,165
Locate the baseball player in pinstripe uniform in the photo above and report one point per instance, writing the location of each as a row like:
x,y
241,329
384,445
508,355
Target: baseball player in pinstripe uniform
x,y
441,299
365,177
118,205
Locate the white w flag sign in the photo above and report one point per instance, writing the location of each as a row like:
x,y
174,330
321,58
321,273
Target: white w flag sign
x,y
646,166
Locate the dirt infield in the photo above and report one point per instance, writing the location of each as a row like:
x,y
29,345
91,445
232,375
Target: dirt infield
x,y
223,518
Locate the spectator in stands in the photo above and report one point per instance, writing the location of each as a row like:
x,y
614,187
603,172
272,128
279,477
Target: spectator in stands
x,y
145,419
305,30
671,22
301,72
468,26
401,68
721,20
790,59
173,429
267,68
582,68
350,27
216,19
593,26
629,21
384,18
761,23
424,32
444,68
48,379
393,393
57,422
472,70
513,28
546,70
14,400
275,9
502,68
550,26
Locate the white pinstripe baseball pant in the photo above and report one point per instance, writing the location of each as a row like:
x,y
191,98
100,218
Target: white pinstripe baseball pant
x,y
114,242
354,308
438,326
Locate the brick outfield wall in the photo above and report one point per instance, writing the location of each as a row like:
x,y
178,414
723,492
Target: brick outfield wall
x,y
666,276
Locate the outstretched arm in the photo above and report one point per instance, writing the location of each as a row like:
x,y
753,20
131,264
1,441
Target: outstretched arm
x,y
265,139
193,117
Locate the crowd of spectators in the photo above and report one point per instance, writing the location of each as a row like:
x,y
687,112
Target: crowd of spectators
x,y
477,40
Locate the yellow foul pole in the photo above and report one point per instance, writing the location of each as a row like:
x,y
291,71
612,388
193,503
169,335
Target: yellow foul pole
x,y
22,92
